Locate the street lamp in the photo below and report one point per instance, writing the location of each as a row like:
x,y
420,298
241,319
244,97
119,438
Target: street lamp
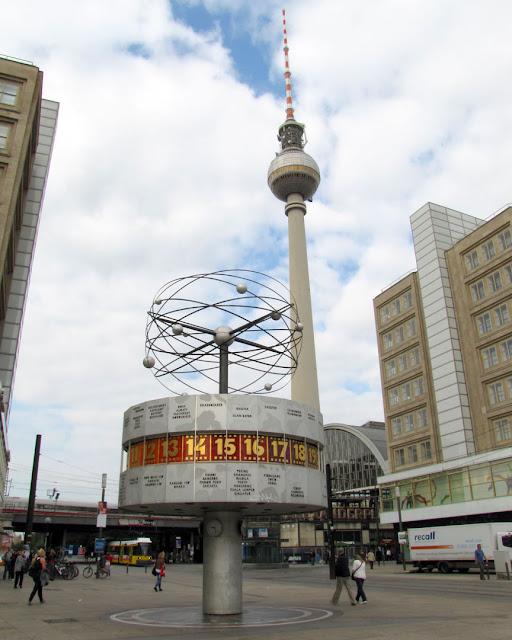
x,y
47,521
400,546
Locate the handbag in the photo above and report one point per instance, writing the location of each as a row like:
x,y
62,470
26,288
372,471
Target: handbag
x,y
43,578
355,570
154,571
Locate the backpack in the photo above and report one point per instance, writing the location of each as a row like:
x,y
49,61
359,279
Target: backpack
x,y
35,568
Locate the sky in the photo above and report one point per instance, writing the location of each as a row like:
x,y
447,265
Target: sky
x,y
169,111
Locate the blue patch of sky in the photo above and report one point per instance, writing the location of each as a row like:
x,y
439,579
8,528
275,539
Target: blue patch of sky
x,y
346,270
358,388
251,58
139,50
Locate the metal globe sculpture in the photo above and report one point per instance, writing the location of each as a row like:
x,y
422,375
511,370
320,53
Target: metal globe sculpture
x,y
202,325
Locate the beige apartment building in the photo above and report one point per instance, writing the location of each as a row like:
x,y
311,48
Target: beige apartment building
x,y
445,349
27,130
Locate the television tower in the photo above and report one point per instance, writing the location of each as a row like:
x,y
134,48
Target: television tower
x,y
293,177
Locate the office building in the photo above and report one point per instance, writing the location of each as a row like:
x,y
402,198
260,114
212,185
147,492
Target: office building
x,y
27,130
445,348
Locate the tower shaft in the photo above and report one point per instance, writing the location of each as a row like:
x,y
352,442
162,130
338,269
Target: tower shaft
x,y
304,384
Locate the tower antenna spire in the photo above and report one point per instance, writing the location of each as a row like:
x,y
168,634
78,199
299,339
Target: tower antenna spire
x,y
287,72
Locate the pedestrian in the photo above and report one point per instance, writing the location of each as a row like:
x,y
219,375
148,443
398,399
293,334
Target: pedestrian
x,y
19,570
51,563
312,557
159,568
481,561
7,564
342,571
378,556
389,555
370,557
359,575
37,566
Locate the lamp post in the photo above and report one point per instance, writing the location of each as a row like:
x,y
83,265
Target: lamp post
x,y
400,526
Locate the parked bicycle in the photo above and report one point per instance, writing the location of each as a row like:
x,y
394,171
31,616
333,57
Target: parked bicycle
x,y
66,571
89,571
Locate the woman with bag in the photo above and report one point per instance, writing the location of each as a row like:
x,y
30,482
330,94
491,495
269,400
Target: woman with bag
x,y
159,571
359,575
39,575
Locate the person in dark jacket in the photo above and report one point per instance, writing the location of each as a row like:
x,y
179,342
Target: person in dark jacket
x,y
342,578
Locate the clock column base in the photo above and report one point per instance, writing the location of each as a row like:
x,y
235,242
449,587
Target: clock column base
x,y
222,564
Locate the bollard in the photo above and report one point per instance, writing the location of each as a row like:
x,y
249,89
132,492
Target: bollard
x,y
127,568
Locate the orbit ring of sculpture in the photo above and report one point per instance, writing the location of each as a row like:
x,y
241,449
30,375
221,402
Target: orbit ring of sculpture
x,y
252,324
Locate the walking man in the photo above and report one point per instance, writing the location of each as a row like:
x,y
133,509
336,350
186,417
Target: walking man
x,y
342,578
481,561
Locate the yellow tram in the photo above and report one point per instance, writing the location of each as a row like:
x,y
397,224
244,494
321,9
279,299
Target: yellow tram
x,y
133,552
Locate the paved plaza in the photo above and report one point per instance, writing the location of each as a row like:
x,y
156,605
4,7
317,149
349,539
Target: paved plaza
x,y
284,603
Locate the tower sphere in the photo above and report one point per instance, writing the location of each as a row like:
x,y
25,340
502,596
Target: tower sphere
x,y
293,171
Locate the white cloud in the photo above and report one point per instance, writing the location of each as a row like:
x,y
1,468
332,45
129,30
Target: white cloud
x,y
159,171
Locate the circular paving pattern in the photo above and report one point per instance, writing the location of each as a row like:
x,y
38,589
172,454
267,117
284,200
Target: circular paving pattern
x,y
193,617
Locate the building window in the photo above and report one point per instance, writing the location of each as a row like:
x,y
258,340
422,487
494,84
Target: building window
x,y
415,356
496,393
411,328
399,458
407,300
478,291
488,250
402,363
388,340
471,260
508,273
502,430
494,281
422,418
505,240
506,350
418,387
409,422
396,425
8,93
501,315
426,450
399,335
484,323
384,313
406,392
412,454
4,135
390,368
393,397
395,307
490,357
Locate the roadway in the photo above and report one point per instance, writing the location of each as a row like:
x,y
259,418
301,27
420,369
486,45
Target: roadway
x,y
282,604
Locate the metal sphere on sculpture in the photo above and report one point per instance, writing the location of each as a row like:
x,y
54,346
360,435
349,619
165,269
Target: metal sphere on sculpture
x,y
203,316
148,362
177,329
223,336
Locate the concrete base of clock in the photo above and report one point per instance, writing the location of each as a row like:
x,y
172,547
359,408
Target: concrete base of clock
x,y
222,564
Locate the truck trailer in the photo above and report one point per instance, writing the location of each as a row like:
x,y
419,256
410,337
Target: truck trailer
x,y
446,548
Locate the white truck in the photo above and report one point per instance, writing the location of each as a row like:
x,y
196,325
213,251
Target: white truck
x,y
446,548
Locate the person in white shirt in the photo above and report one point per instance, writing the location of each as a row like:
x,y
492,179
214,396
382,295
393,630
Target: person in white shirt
x,y
359,575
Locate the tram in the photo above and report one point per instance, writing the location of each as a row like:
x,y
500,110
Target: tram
x,y
132,552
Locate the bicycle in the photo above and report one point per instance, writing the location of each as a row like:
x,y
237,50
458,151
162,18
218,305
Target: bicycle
x,y
89,571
